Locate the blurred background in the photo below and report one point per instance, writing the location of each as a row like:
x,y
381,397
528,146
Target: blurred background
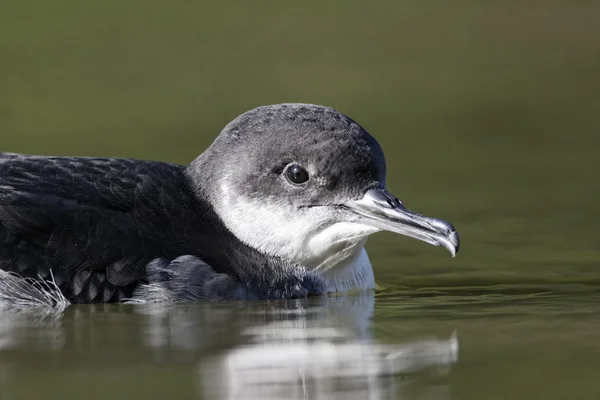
x,y
488,112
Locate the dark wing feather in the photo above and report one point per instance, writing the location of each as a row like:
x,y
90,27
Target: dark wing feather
x,y
188,279
94,222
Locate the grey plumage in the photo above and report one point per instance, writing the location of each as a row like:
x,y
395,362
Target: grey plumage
x,y
259,144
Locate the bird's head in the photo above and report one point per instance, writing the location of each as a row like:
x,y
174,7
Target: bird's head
x,y
306,183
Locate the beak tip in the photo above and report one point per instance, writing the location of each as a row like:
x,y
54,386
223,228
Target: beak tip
x,y
455,240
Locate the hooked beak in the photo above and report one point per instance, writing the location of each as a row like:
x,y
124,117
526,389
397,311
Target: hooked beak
x,y
378,208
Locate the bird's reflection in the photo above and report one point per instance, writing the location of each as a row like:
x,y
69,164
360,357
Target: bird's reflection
x,y
323,351
316,348
174,327
39,328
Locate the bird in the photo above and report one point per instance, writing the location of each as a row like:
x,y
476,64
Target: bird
x,y
279,206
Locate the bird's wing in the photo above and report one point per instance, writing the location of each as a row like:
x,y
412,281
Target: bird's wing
x,y
79,217
188,279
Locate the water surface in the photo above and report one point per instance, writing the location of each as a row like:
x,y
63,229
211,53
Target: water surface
x,y
493,344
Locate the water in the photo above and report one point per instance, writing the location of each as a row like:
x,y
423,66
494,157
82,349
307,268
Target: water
x,y
485,341
501,344
489,116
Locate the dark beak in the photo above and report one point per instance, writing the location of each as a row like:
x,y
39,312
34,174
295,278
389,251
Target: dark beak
x,y
378,208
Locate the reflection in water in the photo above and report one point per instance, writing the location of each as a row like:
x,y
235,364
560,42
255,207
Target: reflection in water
x,y
293,350
291,363
38,328
318,348
323,351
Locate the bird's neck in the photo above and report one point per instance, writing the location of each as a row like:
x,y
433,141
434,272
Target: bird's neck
x,y
354,272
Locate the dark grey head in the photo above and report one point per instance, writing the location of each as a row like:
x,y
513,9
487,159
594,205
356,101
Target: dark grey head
x,y
306,183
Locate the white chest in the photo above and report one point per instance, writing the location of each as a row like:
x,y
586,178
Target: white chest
x,y
356,274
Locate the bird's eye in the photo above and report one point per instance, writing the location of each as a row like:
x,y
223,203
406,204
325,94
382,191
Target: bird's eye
x,y
296,174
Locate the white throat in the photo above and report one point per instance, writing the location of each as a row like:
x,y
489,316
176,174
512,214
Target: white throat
x,y
356,273
334,250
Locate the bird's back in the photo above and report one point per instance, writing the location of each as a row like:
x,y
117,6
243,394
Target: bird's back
x,y
94,222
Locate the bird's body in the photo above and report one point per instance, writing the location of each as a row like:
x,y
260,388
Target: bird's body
x,y
234,224
96,223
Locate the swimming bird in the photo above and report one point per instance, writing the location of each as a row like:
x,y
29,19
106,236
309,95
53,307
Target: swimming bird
x,y
280,205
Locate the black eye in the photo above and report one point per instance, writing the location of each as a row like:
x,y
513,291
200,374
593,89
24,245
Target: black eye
x,y
296,174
